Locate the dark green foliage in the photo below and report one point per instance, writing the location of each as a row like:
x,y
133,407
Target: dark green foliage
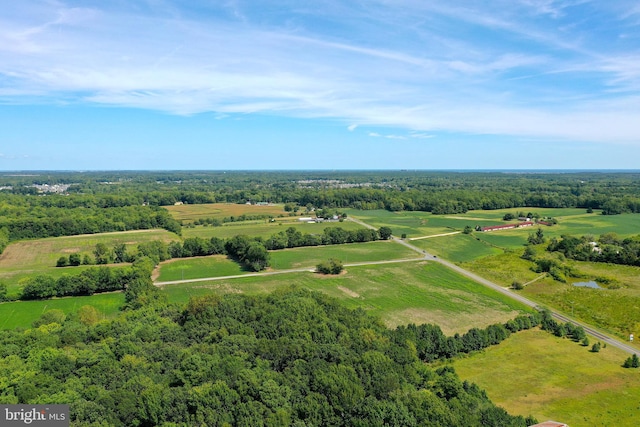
x,y
250,252
74,259
595,348
3,292
632,362
508,216
529,253
294,357
90,281
537,238
331,266
101,254
609,248
63,261
4,238
431,344
385,233
54,215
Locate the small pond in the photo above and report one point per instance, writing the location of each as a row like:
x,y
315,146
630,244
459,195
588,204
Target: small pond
x,y
589,284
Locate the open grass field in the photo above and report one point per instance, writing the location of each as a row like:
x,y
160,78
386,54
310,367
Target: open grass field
x,y
195,268
23,313
419,292
457,247
349,253
263,229
190,213
31,257
570,221
219,265
413,224
534,372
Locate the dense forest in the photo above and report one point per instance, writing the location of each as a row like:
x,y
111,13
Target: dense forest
x,y
291,358
49,204
607,248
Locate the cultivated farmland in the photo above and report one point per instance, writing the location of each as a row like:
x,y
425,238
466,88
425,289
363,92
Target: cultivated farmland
x,y
419,292
190,213
27,258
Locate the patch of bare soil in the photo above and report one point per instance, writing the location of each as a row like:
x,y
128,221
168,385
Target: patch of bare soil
x,y
349,292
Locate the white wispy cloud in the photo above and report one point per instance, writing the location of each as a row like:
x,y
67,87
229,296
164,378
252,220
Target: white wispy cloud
x,y
531,70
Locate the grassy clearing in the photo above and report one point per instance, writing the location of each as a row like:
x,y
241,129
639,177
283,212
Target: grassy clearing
x,y
263,229
413,224
456,248
23,313
190,213
534,372
30,257
218,265
195,268
349,253
417,292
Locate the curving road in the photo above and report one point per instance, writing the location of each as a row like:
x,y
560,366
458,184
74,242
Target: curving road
x,y
558,316
427,256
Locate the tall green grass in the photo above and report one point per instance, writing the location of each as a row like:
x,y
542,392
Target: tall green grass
x,y
23,313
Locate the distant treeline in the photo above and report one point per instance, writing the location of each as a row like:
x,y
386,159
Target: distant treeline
x,y
32,217
110,201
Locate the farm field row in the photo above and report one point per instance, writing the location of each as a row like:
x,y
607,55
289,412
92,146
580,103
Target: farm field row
x,y
27,258
189,213
419,292
412,292
534,372
570,221
219,265
263,229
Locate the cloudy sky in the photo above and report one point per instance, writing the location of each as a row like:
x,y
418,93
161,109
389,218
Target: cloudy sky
x,y
332,84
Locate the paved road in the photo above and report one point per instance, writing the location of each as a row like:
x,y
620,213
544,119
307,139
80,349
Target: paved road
x,y
427,256
558,316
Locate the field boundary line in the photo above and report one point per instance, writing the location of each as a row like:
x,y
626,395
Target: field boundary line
x,y
435,235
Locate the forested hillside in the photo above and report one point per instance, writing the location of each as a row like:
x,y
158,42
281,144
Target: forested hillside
x,y
294,357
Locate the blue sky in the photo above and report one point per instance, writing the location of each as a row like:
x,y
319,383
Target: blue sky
x,y
278,84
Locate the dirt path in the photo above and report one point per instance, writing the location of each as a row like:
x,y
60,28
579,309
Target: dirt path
x,y
436,235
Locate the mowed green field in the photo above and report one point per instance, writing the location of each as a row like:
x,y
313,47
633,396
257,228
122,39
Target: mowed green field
x,y
27,258
534,372
195,268
411,292
457,247
570,221
23,313
305,257
263,229
349,253
190,213
413,224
